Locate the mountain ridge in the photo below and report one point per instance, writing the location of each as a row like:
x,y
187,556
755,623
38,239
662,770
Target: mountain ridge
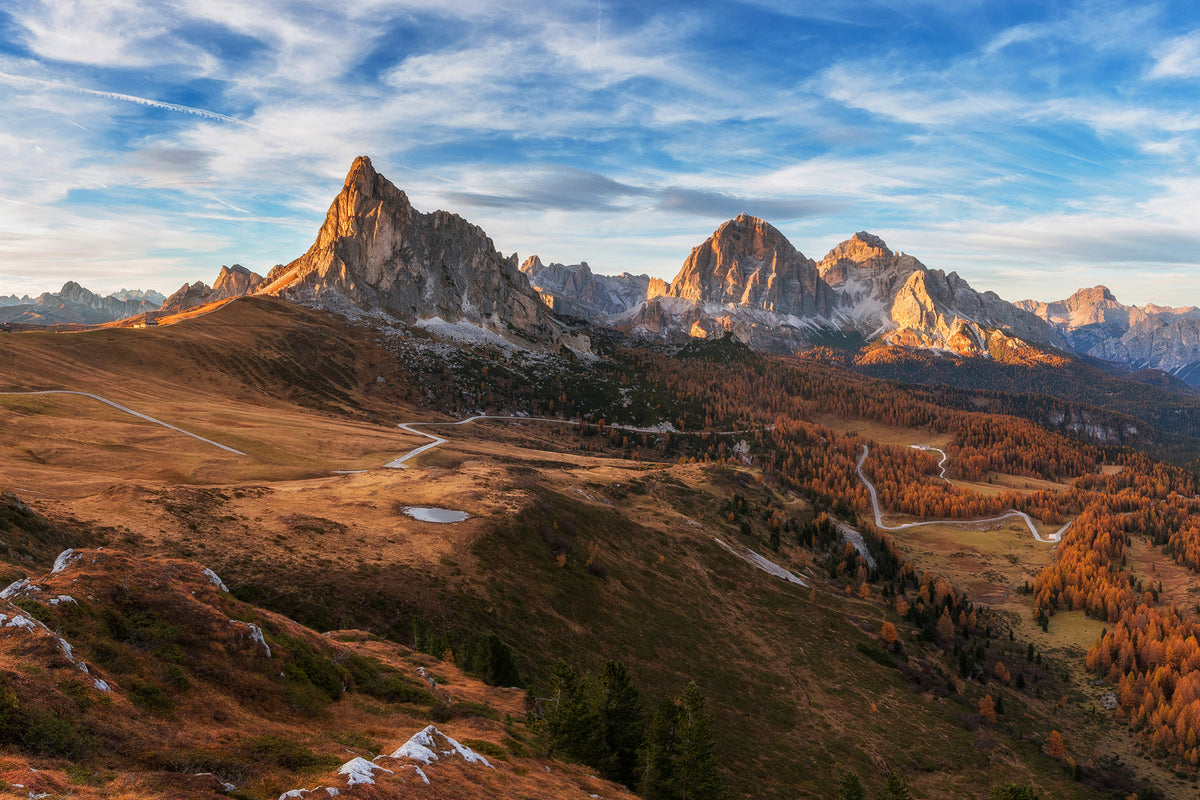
x,y
374,251
74,304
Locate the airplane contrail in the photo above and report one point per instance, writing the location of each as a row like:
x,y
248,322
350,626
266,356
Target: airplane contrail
x,y
128,98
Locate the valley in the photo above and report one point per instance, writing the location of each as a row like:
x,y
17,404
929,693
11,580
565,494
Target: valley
x,y
951,555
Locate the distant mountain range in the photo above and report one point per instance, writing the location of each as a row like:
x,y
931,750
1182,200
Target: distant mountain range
x,y
376,254
74,304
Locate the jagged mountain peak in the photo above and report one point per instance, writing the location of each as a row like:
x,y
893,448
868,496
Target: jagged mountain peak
x,y
1093,296
750,235
375,252
859,248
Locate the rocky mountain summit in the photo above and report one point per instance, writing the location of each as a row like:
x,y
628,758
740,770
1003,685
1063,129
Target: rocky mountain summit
x,y
577,291
748,279
14,300
73,304
235,281
895,296
1150,336
375,252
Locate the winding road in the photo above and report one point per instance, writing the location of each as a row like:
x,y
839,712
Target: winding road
x,y
410,427
401,462
931,449
130,411
1051,539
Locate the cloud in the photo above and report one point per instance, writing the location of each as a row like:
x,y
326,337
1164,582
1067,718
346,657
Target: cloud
x,y
1180,59
726,206
557,188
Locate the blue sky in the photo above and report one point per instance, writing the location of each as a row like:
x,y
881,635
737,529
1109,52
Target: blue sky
x,y
1033,147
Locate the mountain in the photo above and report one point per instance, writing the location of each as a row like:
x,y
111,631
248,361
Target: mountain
x,y
1151,336
896,297
748,279
139,294
585,543
13,300
576,290
73,304
376,253
235,281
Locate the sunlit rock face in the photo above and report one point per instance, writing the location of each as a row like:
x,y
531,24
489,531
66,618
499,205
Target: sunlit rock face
x,y
235,281
376,252
895,296
747,263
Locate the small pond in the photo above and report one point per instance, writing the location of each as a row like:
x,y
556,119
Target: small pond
x,y
435,514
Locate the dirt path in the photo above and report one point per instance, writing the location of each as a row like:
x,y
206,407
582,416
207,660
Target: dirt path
x,y
1051,539
130,411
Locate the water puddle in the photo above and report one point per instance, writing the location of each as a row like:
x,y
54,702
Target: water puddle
x,y
435,514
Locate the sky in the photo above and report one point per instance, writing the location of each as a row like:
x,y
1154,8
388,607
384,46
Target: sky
x,y
1033,147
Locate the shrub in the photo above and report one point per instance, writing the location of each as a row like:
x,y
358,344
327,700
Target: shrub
x,y
285,753
377,680
876,653
149,696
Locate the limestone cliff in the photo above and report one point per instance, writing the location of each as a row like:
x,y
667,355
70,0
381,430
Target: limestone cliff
x,y
1098,325
376,252
881,293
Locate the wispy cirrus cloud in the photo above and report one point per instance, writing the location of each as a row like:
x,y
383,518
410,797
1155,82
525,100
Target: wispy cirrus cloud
x,y
615,132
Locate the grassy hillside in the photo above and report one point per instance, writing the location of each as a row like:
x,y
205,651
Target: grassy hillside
x,y
581,545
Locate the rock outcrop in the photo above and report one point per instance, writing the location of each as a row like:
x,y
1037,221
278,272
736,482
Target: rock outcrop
x,y
375,252
749,264
746,279
749,280
895,296
1139,337
235,281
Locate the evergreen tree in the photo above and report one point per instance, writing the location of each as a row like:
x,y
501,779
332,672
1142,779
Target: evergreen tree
x,y
621,725
679,761
698,771
661,752
850,788
494,662
895,789
568,723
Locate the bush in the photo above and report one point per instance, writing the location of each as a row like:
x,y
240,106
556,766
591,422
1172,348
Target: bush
x,y
876,653
377,680
286,753
149,696
308,667
50,735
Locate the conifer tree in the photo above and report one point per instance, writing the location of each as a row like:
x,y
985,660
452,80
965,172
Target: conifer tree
x,y
679,762
494,662
661,752
621,725
568,723
699,775
850,788
895,789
